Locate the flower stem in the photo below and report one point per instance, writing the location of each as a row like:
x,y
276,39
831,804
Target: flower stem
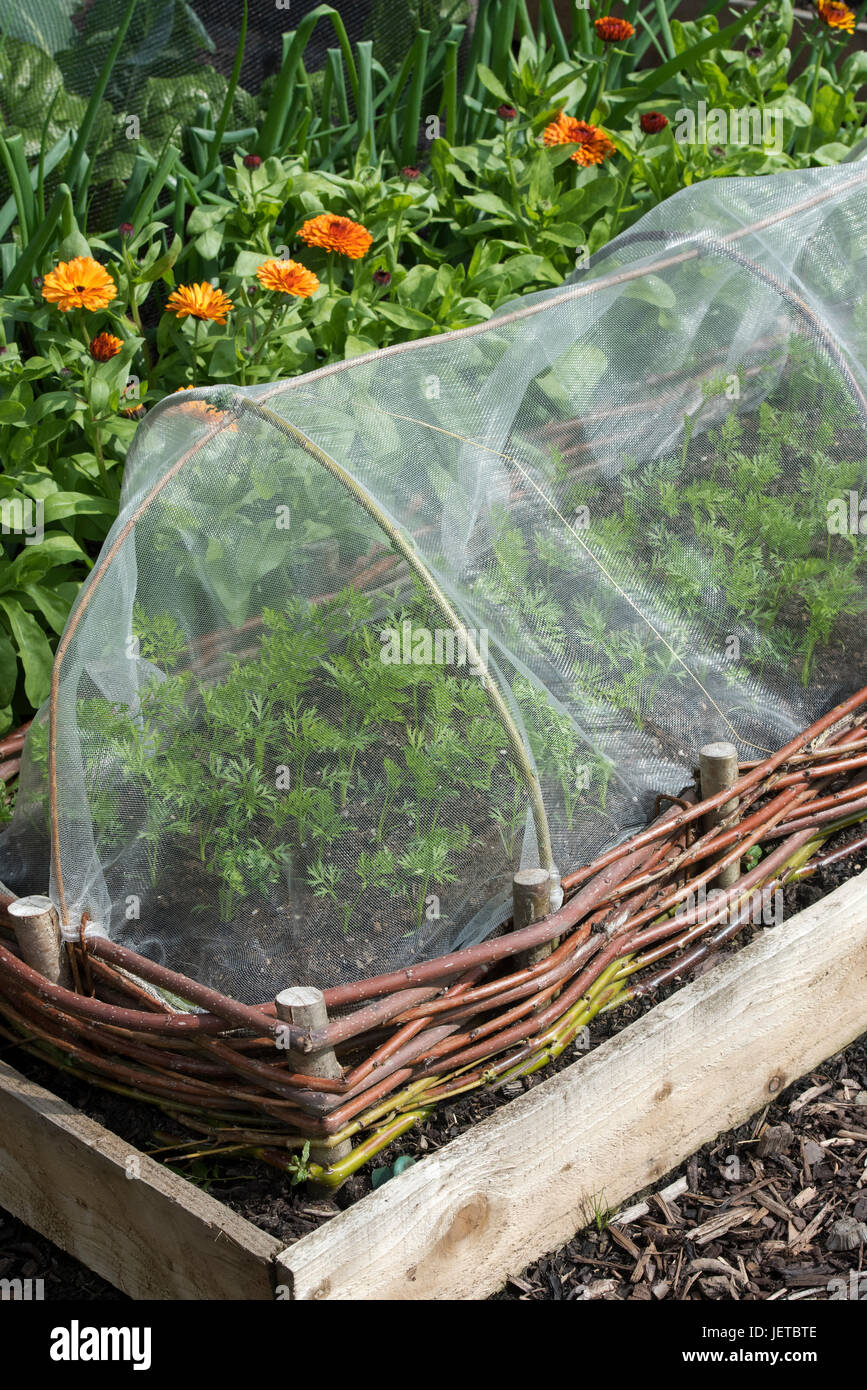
x,y
393,246
600,90
615,222
136,314
516,193
806,134
100,457
278,308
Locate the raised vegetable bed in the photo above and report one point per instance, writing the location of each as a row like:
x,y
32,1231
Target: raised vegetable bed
x,y
461,1221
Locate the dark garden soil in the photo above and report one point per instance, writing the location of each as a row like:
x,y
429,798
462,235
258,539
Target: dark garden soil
x,y
750,1224
321,953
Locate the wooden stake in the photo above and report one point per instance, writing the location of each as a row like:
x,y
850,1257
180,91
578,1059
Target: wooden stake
x,y
304,1007
718,769
37,931
531,902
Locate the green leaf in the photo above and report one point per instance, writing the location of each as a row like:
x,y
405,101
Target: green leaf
x,y
653,290
562,234
587,199
393,774
33,85
515,274
73,244
203,218
34,561
53,607
794,111
115,373
223,361
357,346
44,23
489,202
542,185
853,73
834,153
416,286
571,380
100,394
60,505
8,670
829,110
47,404
493,84
164,104
441,164
163,264
33,651
248,262
405,317
207,226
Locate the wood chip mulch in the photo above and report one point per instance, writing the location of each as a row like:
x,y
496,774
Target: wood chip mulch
x,y
776,1209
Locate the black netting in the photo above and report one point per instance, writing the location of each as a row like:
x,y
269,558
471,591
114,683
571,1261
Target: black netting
x,y
169,38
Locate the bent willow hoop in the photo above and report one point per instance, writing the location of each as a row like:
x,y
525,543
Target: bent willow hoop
x,y
364,645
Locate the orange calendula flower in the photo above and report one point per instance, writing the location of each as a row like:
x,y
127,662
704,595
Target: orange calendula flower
x,y
288,277
204,408
200,301
612,30
593,144
105,346
836,15
340,234
81,283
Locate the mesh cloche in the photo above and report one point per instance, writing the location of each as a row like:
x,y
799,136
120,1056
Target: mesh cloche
x,y
362,643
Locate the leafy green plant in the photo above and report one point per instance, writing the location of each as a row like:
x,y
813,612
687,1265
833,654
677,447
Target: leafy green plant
x,y
510,821
580,773
372,871
246,776
596,1212
298,1166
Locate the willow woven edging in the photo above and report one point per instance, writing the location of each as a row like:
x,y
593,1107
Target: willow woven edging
x,y
473,1018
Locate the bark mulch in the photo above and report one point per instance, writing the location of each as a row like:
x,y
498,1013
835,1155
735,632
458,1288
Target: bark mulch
x,y
758,1214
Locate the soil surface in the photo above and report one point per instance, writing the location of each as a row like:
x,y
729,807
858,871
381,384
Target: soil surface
x,y
758,1223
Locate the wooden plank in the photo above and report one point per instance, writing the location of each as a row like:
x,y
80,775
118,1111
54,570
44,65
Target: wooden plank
x,y
146,1230
522,1182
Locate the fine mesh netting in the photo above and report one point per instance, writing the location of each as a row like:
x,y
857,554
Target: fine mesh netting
x,y
363,643
168,39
